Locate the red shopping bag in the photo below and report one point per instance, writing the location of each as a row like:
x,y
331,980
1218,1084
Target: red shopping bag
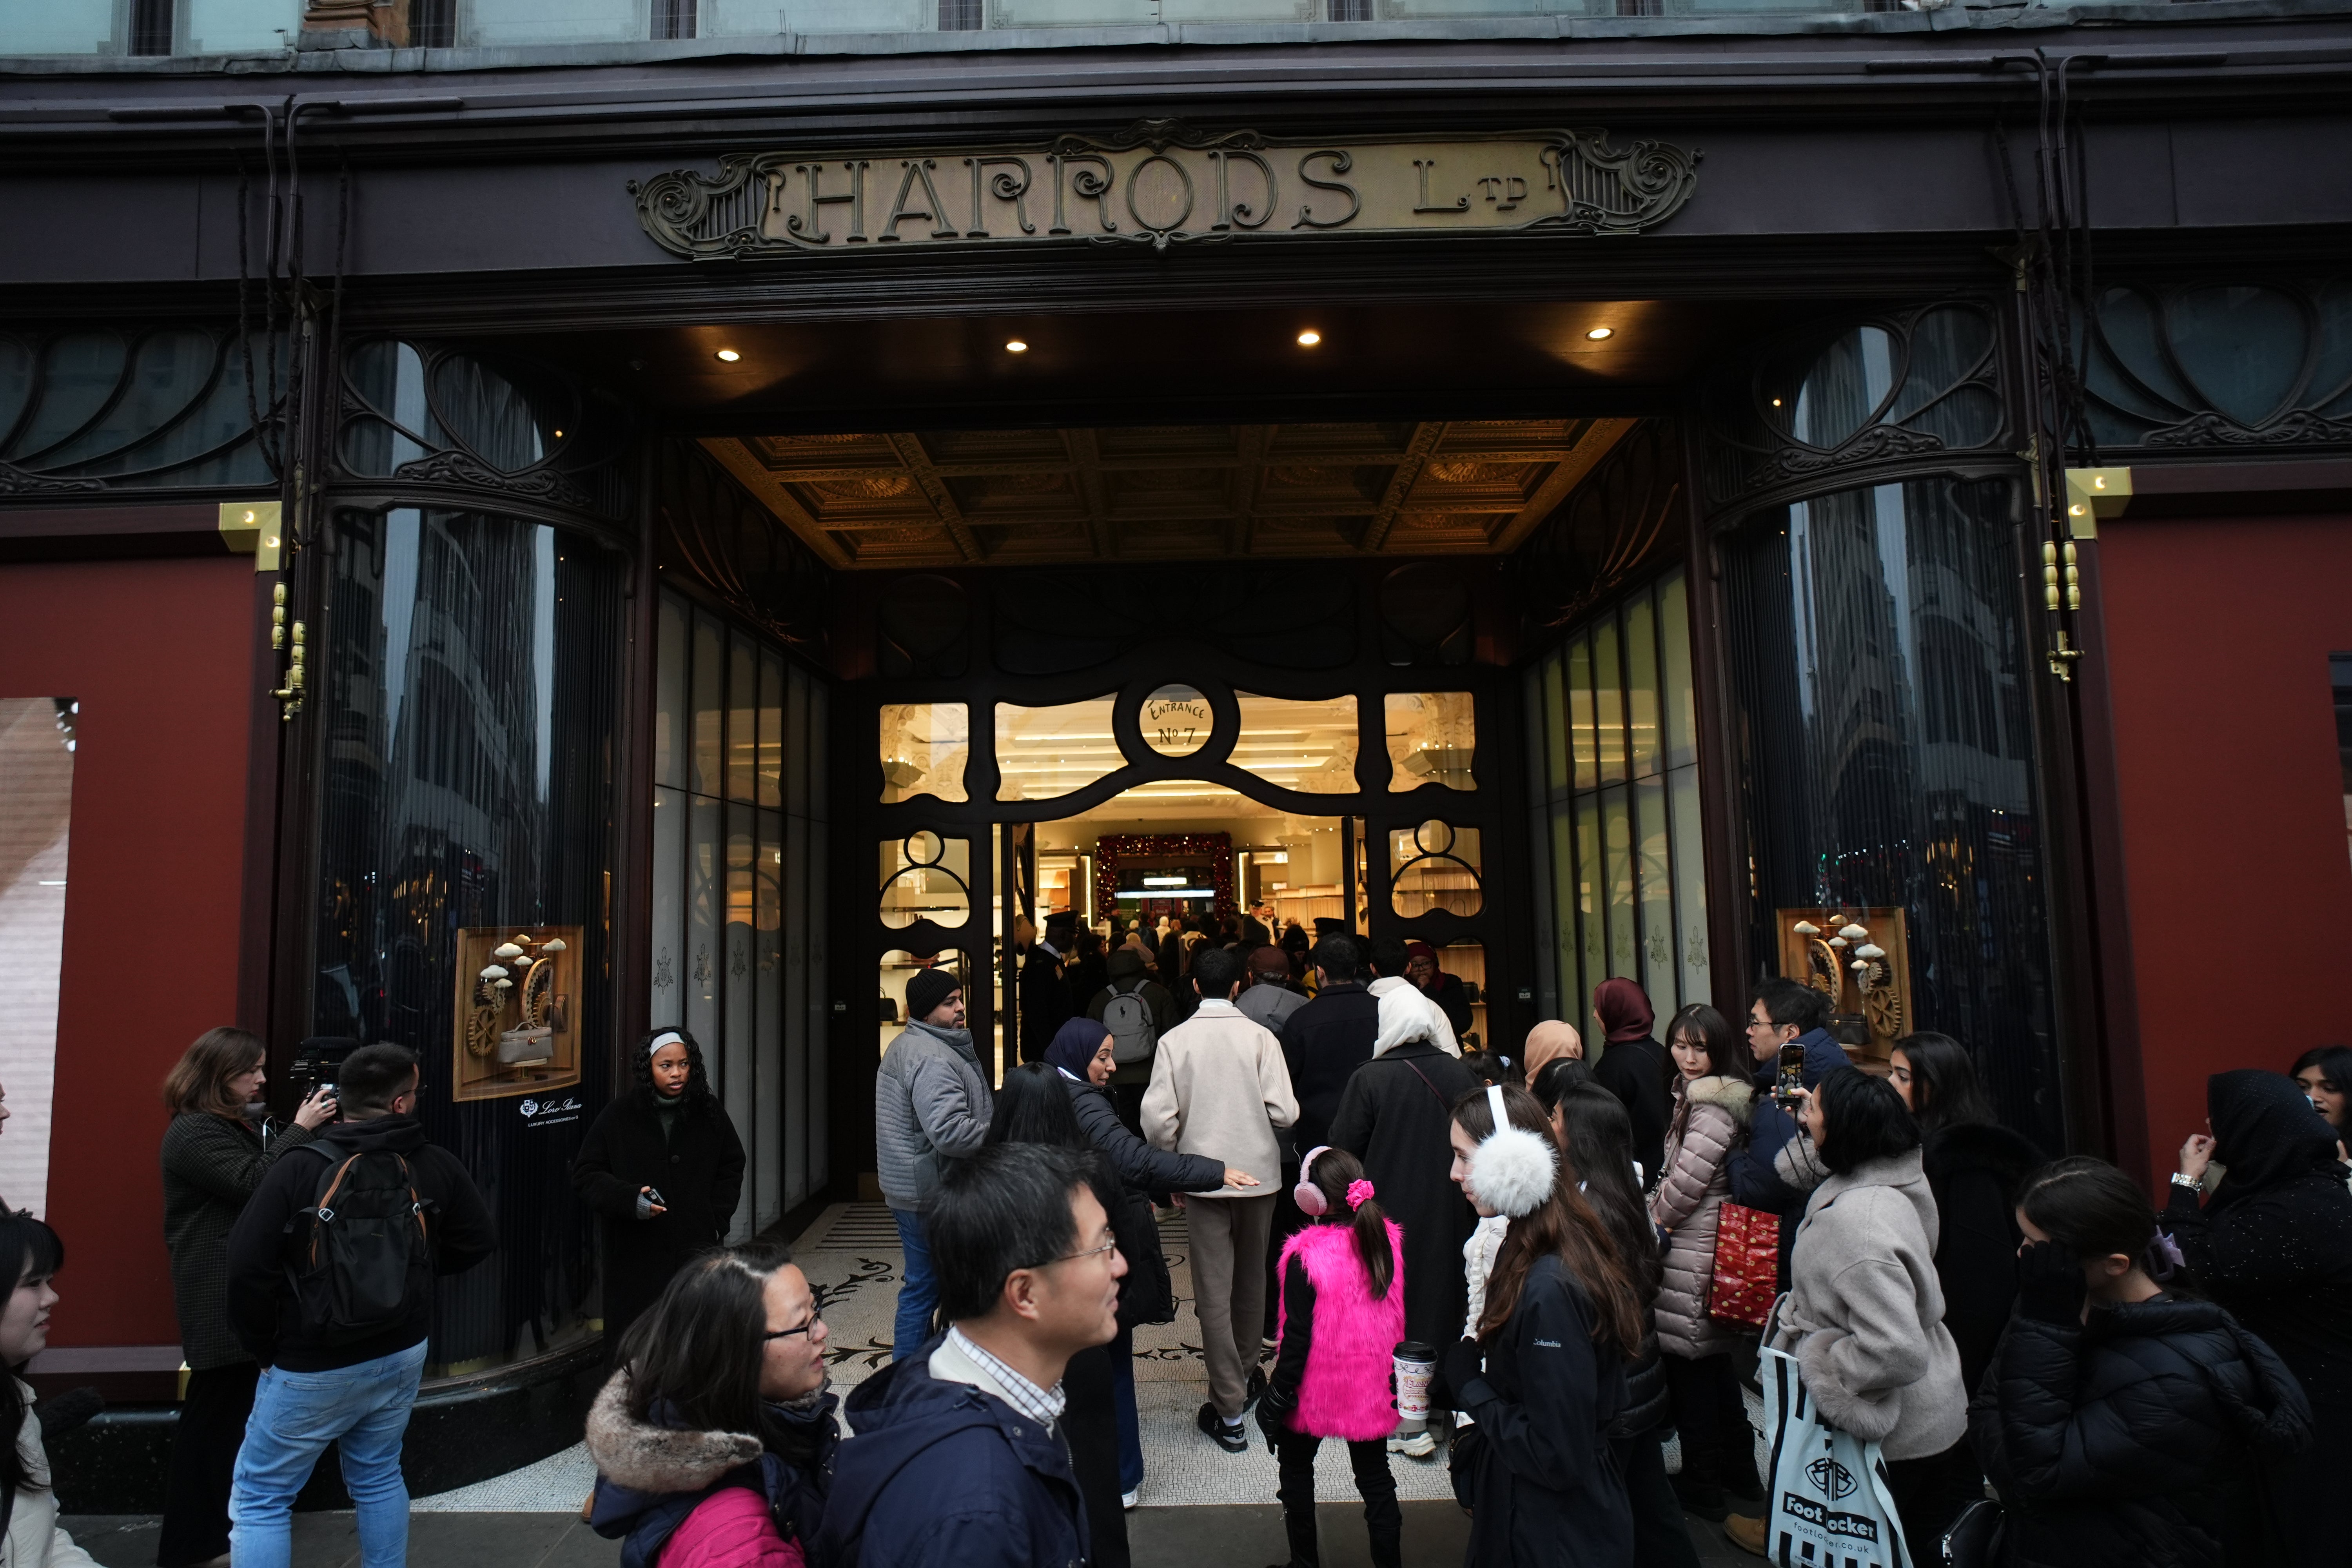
x,y
1747,1266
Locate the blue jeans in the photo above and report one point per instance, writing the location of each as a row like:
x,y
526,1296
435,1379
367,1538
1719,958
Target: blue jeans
x,y
364,1409
1122,1399
918,1290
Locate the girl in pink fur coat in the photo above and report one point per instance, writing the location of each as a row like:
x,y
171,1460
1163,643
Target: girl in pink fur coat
x,y
1342,1315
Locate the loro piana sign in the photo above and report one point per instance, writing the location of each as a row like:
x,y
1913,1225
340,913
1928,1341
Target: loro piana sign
x,y
1160,184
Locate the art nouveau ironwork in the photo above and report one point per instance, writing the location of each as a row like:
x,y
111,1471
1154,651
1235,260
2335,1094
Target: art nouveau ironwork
x,y
2226,365
87,410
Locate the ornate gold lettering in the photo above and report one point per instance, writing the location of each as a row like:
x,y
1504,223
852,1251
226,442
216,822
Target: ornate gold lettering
x,y
918,169
1459,204
1341,161
1231,213
1135,181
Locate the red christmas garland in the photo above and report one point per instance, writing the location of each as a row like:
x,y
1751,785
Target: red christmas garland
x,y
1113,847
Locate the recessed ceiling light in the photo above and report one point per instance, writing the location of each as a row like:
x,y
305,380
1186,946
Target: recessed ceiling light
x,y
1776,403
1309,338
1597,333
1016,346
730,355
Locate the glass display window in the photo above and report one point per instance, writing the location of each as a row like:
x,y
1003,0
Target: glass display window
x,y
923,747
1432,738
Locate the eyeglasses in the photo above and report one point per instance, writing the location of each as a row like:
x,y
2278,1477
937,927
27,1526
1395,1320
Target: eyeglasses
x,y
1110,1245
814,1320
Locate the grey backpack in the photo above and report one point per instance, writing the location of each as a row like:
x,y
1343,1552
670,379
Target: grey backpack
x,y
1133,1035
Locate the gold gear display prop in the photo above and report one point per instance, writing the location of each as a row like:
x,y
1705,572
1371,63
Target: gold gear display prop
x,y
1859,956
517,1029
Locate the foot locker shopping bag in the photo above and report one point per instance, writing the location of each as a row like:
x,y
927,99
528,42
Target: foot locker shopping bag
x,y
1830,1506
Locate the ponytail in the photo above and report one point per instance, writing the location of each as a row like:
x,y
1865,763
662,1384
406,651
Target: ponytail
x,y
1348,1199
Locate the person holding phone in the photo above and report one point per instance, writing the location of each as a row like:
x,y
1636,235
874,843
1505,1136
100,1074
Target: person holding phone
x,y
1782,1013
219,1145
663,1168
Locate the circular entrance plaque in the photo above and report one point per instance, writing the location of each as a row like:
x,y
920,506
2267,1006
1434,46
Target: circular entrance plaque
x,y
1176,721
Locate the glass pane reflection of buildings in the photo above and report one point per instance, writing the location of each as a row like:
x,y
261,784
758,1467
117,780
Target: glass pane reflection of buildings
x,y
1885,746
468,690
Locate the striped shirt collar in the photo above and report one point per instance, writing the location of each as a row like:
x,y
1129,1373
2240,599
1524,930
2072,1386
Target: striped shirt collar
x,y
1042,1405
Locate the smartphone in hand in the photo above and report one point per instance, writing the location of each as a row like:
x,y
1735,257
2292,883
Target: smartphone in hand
x,y
1789,1080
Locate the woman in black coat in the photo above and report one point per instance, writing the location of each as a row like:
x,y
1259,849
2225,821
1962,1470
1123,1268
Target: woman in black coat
x,y
2273,1243
1081,1057
663,1168
1975,1167
1545,1379
2120,1425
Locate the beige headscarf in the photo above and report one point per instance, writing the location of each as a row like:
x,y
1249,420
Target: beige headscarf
x,y
1550,1040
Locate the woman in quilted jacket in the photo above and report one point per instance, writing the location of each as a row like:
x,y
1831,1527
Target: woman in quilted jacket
x,y
1711,1095
2120,1424
713,1440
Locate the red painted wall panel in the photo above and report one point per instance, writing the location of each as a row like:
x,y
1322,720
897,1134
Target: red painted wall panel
x,y
161,655
2233,801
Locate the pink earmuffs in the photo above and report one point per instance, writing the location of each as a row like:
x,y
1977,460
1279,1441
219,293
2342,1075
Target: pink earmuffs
x,y
1307,1195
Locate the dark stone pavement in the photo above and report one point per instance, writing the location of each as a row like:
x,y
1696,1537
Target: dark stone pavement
x,y
1239,1536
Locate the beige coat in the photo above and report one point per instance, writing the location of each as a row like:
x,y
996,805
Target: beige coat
x,y
1220,1088
1865,1312
1709,1116
33,1538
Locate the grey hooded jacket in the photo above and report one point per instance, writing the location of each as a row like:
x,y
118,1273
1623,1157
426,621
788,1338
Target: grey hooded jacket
x,y
931,1098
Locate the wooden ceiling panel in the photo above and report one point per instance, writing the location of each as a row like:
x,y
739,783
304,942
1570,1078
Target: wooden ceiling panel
x,y
1160,493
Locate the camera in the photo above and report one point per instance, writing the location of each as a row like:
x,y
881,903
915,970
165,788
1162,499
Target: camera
x,y
318,1060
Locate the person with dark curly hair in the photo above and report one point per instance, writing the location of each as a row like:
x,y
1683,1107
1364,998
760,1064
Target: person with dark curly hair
x,y
663,1168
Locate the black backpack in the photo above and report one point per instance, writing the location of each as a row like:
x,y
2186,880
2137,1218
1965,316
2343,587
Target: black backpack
x,y
361,1259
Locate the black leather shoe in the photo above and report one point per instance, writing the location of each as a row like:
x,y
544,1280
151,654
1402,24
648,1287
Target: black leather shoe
x,y
1231,1439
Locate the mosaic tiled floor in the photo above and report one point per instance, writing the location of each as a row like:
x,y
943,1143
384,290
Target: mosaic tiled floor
x,y
851,1257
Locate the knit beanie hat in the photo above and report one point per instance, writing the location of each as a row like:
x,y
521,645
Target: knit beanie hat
x,y
927,990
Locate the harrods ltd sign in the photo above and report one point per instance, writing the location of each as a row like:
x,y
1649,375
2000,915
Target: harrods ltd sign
x,y
1159,182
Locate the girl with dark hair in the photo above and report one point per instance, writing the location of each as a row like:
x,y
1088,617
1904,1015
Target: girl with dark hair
x,y
2274,1245
1864,1315
1596,1145
2324,1073
2120,1425
30,1254
218,1146
1034,1108
1544,1379
663,1168
1342,1282
1974,1167
1711,1100
1556,1078
713,1440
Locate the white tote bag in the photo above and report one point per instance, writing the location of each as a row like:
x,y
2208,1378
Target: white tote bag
x,y
1831,1506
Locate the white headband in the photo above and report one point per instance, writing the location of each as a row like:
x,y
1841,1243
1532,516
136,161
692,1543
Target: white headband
x,y
666,1038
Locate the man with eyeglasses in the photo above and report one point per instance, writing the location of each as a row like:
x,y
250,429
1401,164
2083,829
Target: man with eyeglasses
x,y
958,1458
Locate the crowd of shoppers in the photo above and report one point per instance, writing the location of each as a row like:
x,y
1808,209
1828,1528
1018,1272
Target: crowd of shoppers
x,y
2116,1384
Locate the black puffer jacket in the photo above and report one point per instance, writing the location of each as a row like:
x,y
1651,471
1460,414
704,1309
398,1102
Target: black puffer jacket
x,y
2129,1440
1648,1404
1975,1170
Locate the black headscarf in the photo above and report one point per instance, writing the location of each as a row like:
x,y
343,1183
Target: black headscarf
x,y
2266,1132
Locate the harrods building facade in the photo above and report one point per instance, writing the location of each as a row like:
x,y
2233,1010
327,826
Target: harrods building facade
x,y
705,507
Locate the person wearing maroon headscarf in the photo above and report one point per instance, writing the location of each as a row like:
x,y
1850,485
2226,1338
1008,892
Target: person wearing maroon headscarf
x,y
1632,1067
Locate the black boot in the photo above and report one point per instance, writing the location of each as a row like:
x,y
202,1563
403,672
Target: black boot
x,y
1697,1486
1737,1465
1299,1526
1387,1550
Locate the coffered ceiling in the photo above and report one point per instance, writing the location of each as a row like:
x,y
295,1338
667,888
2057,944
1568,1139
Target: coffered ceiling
x,y
963,498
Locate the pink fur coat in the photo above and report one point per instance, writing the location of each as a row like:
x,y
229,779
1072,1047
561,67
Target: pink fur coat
x,y
1347,1391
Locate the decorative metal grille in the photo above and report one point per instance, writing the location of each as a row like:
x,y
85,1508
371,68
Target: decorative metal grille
x,y
1826,400
97,409
467,425
2222,364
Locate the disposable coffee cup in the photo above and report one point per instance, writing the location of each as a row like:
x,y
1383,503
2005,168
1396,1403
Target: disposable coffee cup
x,y
1415,1365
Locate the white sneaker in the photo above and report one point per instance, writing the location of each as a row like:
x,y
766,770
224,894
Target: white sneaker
x,y
1128,1500
1420,1445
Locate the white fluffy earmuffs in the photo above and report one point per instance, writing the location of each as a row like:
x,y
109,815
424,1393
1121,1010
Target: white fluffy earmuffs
x,y
1514,1170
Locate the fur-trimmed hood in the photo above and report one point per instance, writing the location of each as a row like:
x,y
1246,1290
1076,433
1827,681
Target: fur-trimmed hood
x,y
1736,1096
649,1459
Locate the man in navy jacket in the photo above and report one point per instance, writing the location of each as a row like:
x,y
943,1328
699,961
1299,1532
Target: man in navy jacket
x,y
958,1458
1782,1010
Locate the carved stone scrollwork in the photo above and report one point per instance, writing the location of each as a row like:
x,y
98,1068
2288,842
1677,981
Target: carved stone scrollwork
x,y
1163,181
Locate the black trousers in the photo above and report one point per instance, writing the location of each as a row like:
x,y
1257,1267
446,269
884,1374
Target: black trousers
x,y
204,1462
1090,1427
1929,1493
1711,1418
1295,1455
1661,1538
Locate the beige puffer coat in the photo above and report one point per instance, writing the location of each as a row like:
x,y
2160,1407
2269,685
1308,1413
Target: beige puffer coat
x,y
1710,1115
